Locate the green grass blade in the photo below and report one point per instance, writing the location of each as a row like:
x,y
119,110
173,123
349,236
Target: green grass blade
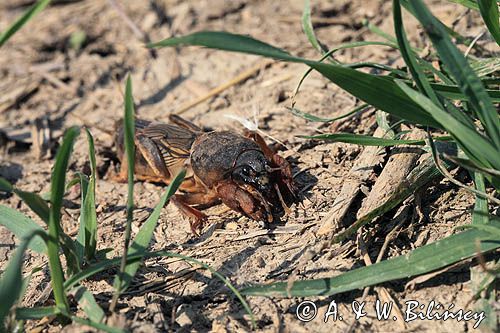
x,y
129,135
474,144
308,27
34,201
145,234
88,304
477,275
57,192
492,229
99,326
228,42
5,186
458,66
453,92
367,140
483,67
460,39
466,3
366,87
480,212
377,31
489,12
80,238
380,67
316,119
40,207
416,71
335,49
22,226
36,313
419,261
471,166
408,55
10,286
28,15
88,217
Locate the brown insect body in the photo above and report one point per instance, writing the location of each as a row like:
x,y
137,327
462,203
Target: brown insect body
x,y
241,171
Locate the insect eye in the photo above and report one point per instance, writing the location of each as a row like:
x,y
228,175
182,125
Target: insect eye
x,y
248,171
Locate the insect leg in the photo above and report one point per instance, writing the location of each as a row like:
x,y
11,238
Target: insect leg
x,y
196,218
242,201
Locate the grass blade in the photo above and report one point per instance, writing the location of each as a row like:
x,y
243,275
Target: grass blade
x,y
145,234
458,66
489,12
88,304
367,140
80,238
422,260
408,55
483,67
367,87
129,134
335,49
22,226
87,235
316,119
481,280
57,192
475,145
453,92
480,212
377,31
28,15
10,286
308,27
36,313
416,71
34,201
99,326
466,3
40,207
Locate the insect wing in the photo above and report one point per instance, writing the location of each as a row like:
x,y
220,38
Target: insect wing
x,y
174,143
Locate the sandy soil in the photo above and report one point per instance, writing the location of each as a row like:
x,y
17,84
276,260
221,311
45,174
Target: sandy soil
x,y
43,75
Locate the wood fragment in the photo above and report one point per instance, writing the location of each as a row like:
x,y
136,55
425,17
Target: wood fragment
x,y
397,168
20,92
359,174
422,174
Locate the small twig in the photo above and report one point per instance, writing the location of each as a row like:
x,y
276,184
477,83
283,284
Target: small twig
x,y
473,43
241,77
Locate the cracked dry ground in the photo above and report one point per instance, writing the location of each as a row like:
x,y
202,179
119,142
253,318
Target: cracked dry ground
x,y
43,76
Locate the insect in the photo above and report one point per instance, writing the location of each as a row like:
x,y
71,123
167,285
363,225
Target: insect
x,y
240,170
